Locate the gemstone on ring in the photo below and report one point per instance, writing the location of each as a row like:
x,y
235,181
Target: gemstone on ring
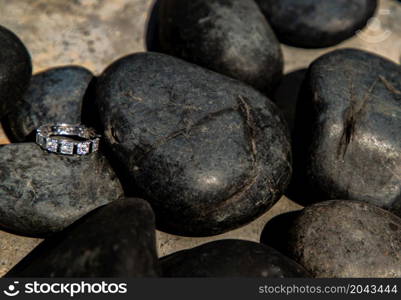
x,y
41,140
66,147
95,145
83,148
51,145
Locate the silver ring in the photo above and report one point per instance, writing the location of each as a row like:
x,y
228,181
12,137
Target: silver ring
x,y
45,138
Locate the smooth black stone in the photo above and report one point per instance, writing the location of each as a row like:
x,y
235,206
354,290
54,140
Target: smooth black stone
x,y
285,96
230,258
339,239
54,96
316,24
231,37
15,70
115,240
209,153
347,140
42,193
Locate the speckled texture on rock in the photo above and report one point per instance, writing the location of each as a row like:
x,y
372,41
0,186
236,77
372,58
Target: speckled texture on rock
x,y
231,258
54,96
99,246
209,153
231,37
315,24
340,239
42,193
15,70
347,141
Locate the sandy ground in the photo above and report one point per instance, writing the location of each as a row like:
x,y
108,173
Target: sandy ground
x,y
94,33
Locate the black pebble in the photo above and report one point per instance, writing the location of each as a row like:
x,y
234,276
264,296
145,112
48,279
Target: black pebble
x,y
231,37
209,153
347,140
42,193
54,96
15,70
231,258
317,23
116,240
339,239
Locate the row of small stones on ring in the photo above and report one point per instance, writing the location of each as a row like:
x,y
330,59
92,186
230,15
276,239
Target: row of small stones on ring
x,y
60,130
68,147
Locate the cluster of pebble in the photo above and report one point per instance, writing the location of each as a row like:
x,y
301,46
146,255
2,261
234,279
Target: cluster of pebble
x,y
189,127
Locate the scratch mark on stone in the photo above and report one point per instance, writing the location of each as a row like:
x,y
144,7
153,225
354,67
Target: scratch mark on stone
x,y
245,108
189,127
389,86
352,115
250,128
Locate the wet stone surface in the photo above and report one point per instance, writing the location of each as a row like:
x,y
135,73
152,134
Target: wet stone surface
x,y
94,246
230,37
209,153
42,193
230,258
347,140
339,239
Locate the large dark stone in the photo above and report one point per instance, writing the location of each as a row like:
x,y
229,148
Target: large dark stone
x,y
347,141
231,37
231,258
53,96
15,70
207,151
317,23
116,240
339,239
42,193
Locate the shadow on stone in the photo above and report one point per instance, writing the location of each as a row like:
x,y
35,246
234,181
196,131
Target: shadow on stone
x,y
276,232
286,95
90,114
9,135
152,29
